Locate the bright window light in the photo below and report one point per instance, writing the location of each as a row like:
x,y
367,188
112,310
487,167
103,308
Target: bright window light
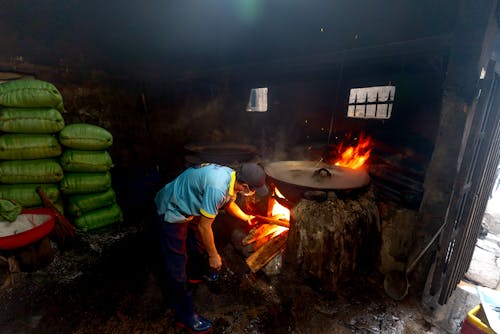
x,y
258,100
371,102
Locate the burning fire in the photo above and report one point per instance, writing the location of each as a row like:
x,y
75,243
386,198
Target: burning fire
x,y
276,230
355,156
278,210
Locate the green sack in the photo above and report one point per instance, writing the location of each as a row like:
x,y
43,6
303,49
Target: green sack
x,y
59,205
99,218
28,146
26,195
28,93
31,120
9,210
85,137
31,171
77,205
85,183
86,161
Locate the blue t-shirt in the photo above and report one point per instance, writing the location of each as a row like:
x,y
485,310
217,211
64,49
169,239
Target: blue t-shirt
x,y
197,191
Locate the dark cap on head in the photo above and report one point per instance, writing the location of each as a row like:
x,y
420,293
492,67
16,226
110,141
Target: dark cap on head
x,y
253,175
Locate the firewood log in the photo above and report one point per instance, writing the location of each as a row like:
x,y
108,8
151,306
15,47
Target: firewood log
x,y
257,233
273,221
261,242
267,252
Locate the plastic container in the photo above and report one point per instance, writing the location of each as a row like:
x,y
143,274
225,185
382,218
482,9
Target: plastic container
x,y
41,222
476,323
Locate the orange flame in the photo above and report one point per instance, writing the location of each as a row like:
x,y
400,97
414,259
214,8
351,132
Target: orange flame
x,y
355,156
277,230
278,193
279,211
274,230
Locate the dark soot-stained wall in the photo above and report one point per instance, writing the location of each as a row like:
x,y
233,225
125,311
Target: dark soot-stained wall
x,y
213,111
197,64
300,110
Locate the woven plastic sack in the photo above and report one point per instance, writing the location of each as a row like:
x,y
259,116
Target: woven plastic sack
x,y
26,195
99,218
59,205
82,136
28,146
85,183
31,120
86,161
31,171
77,205
9,210
28,93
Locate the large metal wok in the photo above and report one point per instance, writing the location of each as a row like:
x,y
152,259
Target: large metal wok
x,y
294,178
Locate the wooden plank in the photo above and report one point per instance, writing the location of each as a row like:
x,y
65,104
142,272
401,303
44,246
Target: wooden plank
x,y
257,233
249,237
261,242
274,221
266,253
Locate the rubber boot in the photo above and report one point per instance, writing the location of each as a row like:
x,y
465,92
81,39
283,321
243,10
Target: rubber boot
x,y
187,318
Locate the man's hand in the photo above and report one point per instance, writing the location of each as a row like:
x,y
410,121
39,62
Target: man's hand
x,y
251,220
215,262
235,211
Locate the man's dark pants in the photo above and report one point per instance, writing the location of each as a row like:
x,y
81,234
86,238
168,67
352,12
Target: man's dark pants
x,y
180,242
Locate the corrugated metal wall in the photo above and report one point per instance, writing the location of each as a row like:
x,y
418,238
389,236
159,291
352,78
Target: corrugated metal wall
x,y
471,192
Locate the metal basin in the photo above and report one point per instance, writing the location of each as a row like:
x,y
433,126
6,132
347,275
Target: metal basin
x,y
294,178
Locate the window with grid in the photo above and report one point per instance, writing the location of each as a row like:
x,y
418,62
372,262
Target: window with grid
x,y
371,102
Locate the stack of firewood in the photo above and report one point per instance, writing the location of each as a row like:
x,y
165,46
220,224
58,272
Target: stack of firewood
x,y
265,241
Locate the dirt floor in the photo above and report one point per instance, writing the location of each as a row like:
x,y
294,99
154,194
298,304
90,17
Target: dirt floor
x,y
109,284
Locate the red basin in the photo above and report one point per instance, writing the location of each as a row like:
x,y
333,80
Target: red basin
x,y
33,234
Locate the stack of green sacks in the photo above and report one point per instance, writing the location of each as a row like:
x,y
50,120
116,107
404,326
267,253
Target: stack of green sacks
x,y
86,186
30,118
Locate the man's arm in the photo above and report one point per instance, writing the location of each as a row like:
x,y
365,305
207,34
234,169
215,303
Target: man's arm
x,y
233,209
207,236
